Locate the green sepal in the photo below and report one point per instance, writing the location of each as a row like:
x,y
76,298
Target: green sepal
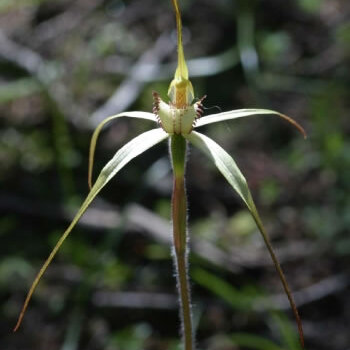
x,y
229,169
131,150
95,135
240,113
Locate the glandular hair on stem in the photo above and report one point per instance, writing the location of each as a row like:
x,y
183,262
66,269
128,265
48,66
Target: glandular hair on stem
x,y
177,150
181,268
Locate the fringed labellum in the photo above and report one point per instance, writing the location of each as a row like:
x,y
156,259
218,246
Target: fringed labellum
x,y
176,120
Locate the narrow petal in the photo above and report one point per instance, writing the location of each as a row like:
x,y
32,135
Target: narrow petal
x,y
235,178
140,115
224,163
240,113
131,150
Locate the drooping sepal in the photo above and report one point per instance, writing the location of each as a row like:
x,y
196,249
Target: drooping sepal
x,y
127,153
94,138
229,169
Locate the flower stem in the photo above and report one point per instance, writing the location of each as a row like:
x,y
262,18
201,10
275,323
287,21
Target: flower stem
x,y
179,217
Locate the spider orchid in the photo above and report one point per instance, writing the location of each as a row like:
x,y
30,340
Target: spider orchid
x,y
176,121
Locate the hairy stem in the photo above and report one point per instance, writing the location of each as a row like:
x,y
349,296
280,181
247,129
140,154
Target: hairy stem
x,y
179,217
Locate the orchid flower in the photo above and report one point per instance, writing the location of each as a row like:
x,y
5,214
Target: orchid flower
x,y
177,121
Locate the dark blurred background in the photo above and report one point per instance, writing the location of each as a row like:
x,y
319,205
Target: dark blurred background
x,y
65,65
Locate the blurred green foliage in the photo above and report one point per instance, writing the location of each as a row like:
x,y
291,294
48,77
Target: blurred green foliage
x,y
289,56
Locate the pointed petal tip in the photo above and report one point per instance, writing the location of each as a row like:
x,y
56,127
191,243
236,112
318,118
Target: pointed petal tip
x,y
231,172
128,152
240,113
295,124
21,315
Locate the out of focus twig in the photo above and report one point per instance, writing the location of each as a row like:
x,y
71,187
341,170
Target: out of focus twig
x,y
136,217
65,22
129,89
135,300
47,73
160,230
23,57
315,292
199,67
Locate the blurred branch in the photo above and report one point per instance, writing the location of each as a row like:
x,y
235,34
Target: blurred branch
x,y
95,218
302,85
246,41
129,89
198,67
135,300
287,252
74,330
159,229
130,299
21,56
65,22
325,61
137,10
328,286
136,217
47,74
